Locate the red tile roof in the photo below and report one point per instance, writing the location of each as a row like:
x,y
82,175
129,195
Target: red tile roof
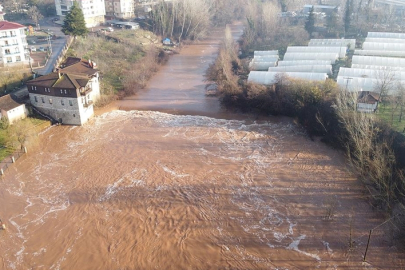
x,y
5,25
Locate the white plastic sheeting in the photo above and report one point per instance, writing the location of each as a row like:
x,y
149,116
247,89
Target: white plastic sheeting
x,y
265,58
312,56
378,67
340,50
362,84
333,42
378,61
303,62
385,40
380,53
261,66
268,78
305,68
384,46
261,53
379,74
385,35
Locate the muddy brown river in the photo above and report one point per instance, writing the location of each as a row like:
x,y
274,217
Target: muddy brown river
x,y
167,183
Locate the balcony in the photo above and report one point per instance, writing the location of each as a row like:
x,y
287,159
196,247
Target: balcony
x,y
88,103
9,36
11,53
9,45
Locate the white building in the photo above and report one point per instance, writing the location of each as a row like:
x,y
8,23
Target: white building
x,y
68,95
123,9
13,43
93,10
11,109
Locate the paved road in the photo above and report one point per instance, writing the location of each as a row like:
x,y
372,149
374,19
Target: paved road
x,y
57,44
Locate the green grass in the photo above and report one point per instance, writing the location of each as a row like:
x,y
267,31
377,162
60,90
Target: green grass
x,y
384,112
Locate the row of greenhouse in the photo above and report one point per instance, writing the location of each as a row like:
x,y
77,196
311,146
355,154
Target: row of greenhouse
x,y
380,63
312,62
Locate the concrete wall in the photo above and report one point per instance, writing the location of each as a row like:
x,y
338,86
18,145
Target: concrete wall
x,y
71,111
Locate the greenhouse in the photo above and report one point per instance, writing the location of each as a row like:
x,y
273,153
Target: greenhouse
x,y
380,53
384,46
333,43
303,63
265,58
385,40
261,53
385,35
361,84
377,67
305,68
340,50
378,61
261,66
312,56
379,74
269,78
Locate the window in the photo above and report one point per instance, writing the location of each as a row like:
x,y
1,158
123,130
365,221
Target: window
x,y
18,58
61,91
9,59
35,88
62,102
36,100
43,100
50,101
70,102
32,87
65,92
7,51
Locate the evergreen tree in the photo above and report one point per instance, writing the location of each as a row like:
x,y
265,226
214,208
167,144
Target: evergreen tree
x,y
310,22
348,15
332,21
74,23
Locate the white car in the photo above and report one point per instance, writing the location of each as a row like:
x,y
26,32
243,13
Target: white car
x,y
33,49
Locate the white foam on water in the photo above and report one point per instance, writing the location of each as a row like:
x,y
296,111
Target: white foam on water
x,y
294,246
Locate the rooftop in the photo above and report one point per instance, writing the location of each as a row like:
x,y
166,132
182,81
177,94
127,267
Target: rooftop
x,y
8,103
6,25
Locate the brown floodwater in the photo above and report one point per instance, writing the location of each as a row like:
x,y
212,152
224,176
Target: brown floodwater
x,y
145,189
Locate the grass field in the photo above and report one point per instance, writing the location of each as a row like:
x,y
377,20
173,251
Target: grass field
x,y
386,114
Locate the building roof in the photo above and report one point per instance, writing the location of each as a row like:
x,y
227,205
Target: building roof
x,y
8,103
61,80
6,25
368,97
74,65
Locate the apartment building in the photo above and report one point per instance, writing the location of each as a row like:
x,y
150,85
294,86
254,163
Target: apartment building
x,y
122,9
93,10
13,43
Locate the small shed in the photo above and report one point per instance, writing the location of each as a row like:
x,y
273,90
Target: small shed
x,y
11,109
367,101
167,41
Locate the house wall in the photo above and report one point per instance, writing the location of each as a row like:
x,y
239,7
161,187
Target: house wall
x,y
12,46
72,111
364,107
15,114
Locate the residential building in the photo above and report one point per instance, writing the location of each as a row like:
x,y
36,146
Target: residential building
x,y
367,101
93,10
122,9
67,95
13,43
11,109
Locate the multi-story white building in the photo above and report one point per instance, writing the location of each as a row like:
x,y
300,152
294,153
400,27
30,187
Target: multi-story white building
x,y
67,95
13,43
93,10
123,9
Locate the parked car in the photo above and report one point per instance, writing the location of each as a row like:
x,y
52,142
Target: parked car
x,y
110,29
33,49
42,49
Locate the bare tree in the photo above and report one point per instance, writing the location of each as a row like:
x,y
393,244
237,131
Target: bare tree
x,y
20,133
34,14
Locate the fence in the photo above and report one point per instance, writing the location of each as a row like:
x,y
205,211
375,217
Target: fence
x,y
7,162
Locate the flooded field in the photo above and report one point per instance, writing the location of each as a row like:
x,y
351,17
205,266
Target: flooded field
x,y
139,188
